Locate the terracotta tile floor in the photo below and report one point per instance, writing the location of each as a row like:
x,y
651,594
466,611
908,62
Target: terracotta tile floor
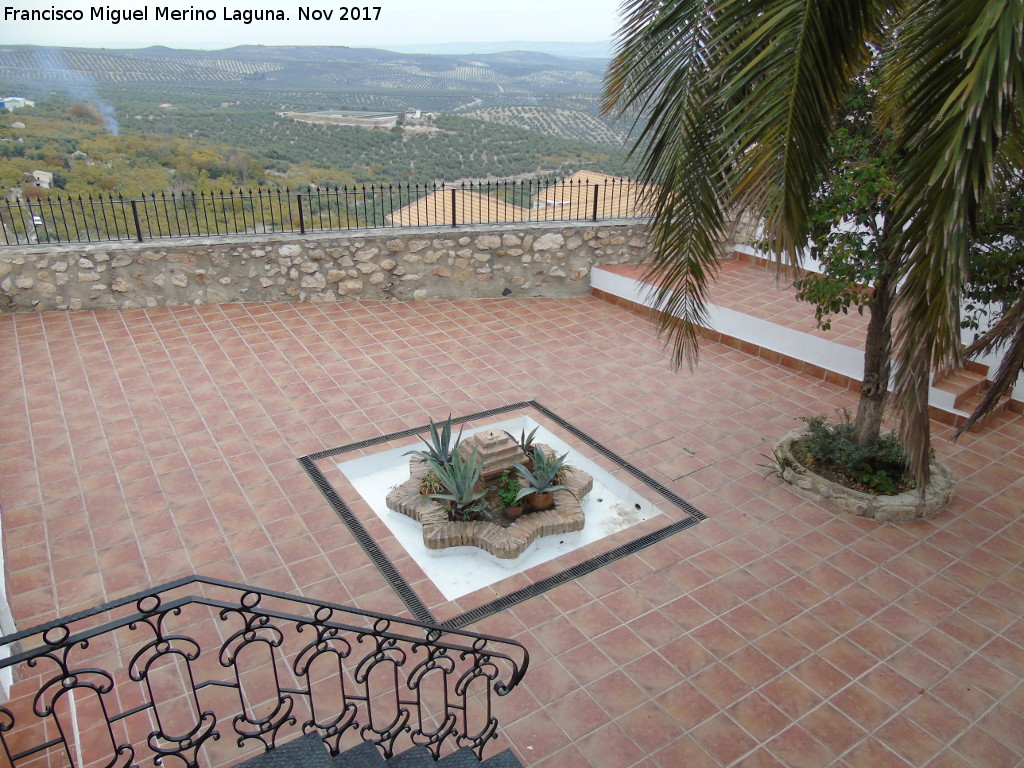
x,y
139,446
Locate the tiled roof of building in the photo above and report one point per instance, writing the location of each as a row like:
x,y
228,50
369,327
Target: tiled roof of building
x,y
573,197
569,199
469,208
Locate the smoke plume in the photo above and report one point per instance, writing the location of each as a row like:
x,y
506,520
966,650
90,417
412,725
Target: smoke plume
x,y
74,83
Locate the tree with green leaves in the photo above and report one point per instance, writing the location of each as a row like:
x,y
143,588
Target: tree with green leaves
x,y
851,238
741,101
851,241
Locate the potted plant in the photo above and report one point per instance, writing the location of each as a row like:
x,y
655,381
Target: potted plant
x,y
508,494
430,483
459,478
540,481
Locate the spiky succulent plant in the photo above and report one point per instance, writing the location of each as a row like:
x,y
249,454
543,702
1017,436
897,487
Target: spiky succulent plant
x,y
440,447
542,478
459,478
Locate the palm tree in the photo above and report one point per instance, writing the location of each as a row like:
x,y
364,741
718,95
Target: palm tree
x,y
740,99
998,249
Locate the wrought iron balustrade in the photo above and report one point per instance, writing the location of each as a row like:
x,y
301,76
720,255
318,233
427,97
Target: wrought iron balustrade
x,y
64,219
203,672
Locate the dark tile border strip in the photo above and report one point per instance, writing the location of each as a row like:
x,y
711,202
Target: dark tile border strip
x,y
573,572
412,601
638,474
408,595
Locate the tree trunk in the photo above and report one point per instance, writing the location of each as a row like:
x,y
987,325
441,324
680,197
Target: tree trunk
x,y
874,386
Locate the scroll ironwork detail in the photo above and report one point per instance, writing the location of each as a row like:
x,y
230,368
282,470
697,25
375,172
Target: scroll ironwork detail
x,y
162,675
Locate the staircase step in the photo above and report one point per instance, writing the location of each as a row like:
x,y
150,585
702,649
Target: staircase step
x,y
958,380
975,390
970,366
968,385
464,758
307,751
365,755
962,383
506,759
417,757
968,405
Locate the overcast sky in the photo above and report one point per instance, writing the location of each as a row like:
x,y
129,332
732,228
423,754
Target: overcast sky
x,y
401,22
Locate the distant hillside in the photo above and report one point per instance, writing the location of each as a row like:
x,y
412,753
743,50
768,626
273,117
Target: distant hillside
x,y
190,118
601,49
514,74
554,121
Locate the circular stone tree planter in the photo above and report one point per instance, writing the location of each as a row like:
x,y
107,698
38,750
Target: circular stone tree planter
x,y
899,508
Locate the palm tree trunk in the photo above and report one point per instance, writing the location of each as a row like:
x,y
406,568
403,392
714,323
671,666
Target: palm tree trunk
x,y
874,388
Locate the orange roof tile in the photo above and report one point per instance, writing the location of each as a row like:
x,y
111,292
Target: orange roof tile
x,y
573,197
470,208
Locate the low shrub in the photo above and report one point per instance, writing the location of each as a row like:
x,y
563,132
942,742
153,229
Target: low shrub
x,y
829,449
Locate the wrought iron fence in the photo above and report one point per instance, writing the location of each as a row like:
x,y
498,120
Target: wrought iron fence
x,y
168,672
317,209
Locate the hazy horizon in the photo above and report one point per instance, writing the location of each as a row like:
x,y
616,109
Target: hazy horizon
x,y
441,48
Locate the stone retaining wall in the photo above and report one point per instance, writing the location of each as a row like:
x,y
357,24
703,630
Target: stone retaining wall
x,y
479,261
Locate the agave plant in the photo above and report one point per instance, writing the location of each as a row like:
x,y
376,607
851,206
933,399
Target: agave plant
x,y
542,478
459,478
525,441
440,447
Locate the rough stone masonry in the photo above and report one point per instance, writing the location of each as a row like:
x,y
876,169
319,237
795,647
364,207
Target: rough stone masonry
x,y
477,261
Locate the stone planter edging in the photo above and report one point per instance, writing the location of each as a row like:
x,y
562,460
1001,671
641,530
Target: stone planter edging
x,y
899,508
505,543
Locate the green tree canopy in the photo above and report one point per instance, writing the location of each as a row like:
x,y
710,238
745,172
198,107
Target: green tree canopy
x,y
742,99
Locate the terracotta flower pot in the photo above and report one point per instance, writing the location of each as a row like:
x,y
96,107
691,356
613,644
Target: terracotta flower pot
x,y
538,502
513,513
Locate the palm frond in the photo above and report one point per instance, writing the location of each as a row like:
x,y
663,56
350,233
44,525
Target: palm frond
x,y
1008,331
662,67
686,235
784,76
960,69
740,97
658,42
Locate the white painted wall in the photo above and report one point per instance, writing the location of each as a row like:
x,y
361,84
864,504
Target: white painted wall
x,y
6,626
795,344
992,360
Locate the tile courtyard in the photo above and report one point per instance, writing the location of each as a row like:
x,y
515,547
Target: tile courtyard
x,y
140,446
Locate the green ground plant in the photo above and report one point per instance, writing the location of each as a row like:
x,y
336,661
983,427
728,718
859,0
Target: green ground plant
x,y
830,449
508,489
